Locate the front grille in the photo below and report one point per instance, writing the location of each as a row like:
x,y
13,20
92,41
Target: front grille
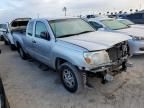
x,y
118,51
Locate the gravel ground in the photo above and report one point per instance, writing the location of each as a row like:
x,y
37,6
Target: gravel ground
x,y
28,86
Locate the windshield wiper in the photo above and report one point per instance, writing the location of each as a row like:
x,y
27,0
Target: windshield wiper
x,y
74,34
84,32
122,28
66,35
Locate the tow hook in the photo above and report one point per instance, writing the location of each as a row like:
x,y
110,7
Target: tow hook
x,y
107,78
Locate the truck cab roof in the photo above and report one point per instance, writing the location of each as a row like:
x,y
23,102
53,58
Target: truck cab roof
x,y
54,18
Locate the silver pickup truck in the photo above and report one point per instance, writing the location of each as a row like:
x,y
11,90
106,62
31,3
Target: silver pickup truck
x,y
73,48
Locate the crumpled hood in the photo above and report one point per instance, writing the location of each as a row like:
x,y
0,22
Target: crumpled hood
x,y
132,31
96,40
141,26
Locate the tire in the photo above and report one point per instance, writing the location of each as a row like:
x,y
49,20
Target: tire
x,y
22,53
12,47
5,42
71,78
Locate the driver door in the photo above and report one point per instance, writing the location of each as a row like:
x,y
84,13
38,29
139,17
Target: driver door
x,y
41,43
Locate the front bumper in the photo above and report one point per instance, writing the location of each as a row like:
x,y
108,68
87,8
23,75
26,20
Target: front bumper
x,y
137,47
109,67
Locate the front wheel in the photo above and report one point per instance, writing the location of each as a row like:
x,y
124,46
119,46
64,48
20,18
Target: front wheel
x,y
71,78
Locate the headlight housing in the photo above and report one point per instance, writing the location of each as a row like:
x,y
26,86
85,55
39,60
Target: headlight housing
x,y
96,58
137,38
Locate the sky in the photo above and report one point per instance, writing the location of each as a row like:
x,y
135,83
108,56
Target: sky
x,y
10,9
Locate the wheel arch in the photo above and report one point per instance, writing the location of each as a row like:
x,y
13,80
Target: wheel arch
x,y
59,61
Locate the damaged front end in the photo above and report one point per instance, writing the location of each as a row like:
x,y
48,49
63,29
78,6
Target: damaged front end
x,y
118,55
112,59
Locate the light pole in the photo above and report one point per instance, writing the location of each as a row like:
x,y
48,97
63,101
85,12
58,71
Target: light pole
x,y
140,5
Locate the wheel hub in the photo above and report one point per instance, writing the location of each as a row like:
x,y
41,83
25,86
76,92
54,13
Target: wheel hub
x,y
68,78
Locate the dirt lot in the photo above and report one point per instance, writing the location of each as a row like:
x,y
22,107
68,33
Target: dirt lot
x,y
27,86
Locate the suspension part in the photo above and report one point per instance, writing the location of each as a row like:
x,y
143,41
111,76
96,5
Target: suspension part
x,y
84,75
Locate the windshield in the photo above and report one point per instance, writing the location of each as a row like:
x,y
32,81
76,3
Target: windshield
x,y
69,27
114,24
127,22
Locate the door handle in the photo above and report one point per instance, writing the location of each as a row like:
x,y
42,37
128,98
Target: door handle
x,y
30,34
33,41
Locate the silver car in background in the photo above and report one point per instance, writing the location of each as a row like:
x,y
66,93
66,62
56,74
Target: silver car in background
x,y
131,24
113,25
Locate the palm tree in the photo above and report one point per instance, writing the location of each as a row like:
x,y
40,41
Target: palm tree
x,y
112,13
100,13
65,10
125,12
131,10
136,10
120,12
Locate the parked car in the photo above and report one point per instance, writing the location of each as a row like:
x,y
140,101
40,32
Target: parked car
x,y
14,26
73,48
2,31
131,24
137,17
112,25
90,16
3,99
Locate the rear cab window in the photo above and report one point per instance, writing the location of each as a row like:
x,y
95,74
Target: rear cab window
x,y
30,28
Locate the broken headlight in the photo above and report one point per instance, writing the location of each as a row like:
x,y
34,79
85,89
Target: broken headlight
x,y
96,58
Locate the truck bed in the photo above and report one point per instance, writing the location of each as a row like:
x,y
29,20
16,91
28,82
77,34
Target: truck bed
x,y
18,36
20,33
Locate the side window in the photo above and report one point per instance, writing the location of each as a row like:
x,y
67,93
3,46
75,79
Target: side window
x,y
30,28
40,30
95,25
142,16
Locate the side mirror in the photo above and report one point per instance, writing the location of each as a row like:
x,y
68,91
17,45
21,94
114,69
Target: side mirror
x,y
45,35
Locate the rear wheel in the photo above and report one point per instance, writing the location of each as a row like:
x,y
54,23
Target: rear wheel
x,y
1,38
5,42
71,78
22,53
12,47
